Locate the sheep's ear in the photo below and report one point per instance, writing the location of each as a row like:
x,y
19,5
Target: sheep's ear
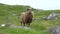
x,y
27,9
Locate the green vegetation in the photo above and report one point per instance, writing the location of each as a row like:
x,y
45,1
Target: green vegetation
x,y
37,26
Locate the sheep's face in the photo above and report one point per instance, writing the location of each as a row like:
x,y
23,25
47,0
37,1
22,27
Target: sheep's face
x,y
30,9
29,12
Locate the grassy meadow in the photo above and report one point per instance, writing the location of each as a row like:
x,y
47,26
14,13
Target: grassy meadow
x,y
37,26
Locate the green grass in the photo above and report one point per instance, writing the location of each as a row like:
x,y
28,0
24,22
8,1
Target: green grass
x,y
37,26
18,31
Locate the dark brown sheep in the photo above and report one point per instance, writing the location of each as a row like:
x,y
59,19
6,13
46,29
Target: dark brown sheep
x,y
26,17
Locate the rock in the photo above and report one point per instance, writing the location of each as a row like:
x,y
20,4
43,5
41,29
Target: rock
x,y
54,30
52,16
2,25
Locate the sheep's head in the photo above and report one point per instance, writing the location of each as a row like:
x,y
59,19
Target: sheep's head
x,y
30,9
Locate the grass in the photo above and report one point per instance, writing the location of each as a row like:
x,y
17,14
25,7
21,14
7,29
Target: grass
x,y
37,26
18,31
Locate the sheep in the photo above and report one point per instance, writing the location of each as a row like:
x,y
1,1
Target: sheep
x,y
26,17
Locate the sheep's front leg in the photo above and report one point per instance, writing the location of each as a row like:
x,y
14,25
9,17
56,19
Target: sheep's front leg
x,y
23,24
28,24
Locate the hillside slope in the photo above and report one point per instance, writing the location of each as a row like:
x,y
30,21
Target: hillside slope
x,y
37,26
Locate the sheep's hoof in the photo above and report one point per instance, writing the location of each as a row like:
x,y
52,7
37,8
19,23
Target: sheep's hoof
x,y
26,27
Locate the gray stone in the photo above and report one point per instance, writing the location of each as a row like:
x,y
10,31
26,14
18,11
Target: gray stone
x,y
54,30
52,16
